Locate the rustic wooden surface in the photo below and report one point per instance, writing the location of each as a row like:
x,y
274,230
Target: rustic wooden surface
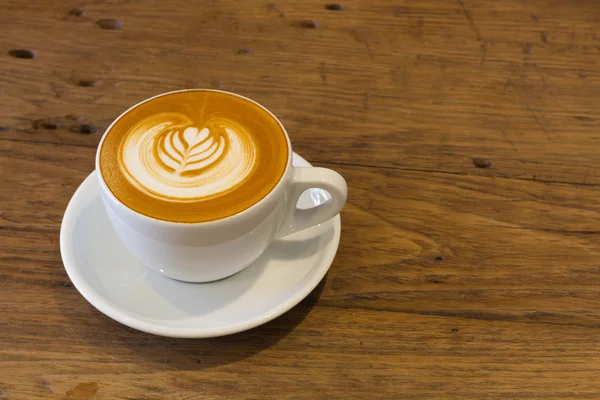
x,y
451,281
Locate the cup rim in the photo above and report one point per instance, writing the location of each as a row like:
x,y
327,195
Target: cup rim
x,y
239,214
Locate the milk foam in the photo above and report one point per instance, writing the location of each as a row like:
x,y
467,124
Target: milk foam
x,y
169,157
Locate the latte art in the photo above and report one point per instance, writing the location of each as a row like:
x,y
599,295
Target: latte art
x,y
168,157
193,156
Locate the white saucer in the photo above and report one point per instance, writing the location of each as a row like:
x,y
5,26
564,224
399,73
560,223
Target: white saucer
x,y
116,283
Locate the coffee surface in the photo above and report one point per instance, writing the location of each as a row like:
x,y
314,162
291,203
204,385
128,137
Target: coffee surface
x,y
193,156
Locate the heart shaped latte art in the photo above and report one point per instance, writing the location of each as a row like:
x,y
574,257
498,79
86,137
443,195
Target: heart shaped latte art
x,y
169,157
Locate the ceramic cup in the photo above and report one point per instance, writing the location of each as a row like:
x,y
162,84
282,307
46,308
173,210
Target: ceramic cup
x,y
213,250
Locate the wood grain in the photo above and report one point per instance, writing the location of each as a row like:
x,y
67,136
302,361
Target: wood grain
x,y
424,85
451,281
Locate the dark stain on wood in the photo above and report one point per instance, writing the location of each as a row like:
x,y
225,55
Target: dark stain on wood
x,y
90,82
77,12
110,24
307,24
583,118
3,129
23,53
245,51
86,129
481,162
334,7
544,37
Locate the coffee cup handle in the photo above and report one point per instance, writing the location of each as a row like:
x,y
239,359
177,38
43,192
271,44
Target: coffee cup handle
x,y
304,178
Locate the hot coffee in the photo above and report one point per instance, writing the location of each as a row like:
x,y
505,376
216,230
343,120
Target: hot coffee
x,y
193,156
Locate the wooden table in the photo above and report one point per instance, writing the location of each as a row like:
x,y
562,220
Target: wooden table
x,y
454,278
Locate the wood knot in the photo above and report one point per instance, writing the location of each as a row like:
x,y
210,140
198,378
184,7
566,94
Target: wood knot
x,y
78,12
307,24
439,258
244,51
334,7
481,162
454,330
22,53
86,129
90,82
108,23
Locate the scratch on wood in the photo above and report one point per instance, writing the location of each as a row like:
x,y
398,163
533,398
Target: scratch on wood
x,y
544,37
469,18
55,91
509,80
323,73
273,7
585,176
46,385
537,120
362,35
4,217
561,231
49,237
535,66
417,28
473,314
483,52
509,141
367,95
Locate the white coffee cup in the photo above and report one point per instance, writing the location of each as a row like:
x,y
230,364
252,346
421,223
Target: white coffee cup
x,y
208,251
